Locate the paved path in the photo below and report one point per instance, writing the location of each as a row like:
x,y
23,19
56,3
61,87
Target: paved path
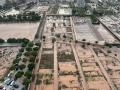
x,y
111,84
40,33
36,70
73,29
55,67
84,83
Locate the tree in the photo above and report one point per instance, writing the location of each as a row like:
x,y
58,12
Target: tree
x,y
22,66
34,53
16,61
11,40
1,40
24,45
94,20
36,48
27,54
24,60
26,82
64,36
28,49
21,50
31,66
32,59
19,74
25,41
30,44
58,35
28,74
19,54
38,44
53,40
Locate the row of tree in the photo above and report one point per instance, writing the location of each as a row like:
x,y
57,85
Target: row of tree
x,y
27,16
9,4
79,11
24,66
14,40
94,20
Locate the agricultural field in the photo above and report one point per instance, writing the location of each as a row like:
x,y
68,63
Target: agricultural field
x,y
69,77
92,72
110,61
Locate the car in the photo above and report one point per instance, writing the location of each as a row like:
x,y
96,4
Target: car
x,y
6,80
12,83
9,82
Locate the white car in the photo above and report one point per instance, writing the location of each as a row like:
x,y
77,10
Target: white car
x,y
12,83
